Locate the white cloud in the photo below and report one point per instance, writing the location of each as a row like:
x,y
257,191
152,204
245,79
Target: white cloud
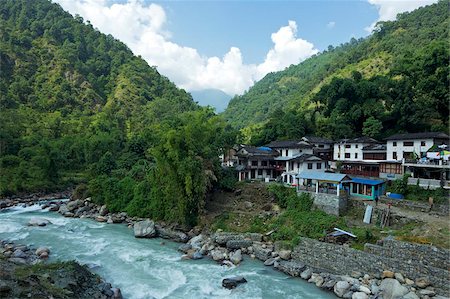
x,y
388,9
141,27
331,24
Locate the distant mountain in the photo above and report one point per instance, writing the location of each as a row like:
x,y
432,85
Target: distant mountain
x,y
212,97
398,77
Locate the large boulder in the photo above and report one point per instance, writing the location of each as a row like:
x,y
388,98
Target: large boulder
x,y
197,241
144,229
42,250
73,205
359,295
103,210
285,254
232,282
35,221
63,209
236,257
341,287
392,289
260,252
171,234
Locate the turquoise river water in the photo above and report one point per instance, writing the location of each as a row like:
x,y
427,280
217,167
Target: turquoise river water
x,y
146,268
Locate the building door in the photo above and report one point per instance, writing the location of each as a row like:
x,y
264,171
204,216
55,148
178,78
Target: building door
x,y
252,175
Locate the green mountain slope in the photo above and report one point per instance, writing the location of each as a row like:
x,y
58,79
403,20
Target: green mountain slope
x,y
406,52
78,107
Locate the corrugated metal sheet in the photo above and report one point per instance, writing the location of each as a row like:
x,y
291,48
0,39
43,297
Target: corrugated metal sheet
x,y
323,176
367,181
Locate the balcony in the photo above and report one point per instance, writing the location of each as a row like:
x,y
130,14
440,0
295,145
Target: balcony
x,y
427,163
366,173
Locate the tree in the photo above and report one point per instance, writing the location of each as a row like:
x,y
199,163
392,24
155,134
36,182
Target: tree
x,y
372,127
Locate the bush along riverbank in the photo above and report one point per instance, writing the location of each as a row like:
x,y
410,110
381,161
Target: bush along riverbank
x,y
230,249
25,273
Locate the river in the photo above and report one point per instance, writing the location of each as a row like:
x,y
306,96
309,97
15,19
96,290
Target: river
x,y
146,268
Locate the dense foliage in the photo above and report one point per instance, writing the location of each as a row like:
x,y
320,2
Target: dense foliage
x,y
396,80
78,107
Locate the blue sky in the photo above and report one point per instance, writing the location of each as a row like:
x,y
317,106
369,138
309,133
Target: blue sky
x,y
229,45
213,27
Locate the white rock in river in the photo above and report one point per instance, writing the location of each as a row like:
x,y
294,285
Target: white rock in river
x,y
341,287
41,250
392,289
360,295
144,229
38,222
236,257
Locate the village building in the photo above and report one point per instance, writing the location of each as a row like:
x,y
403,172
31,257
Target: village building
x,y
423,155
322,147
257,163
349,156
296,156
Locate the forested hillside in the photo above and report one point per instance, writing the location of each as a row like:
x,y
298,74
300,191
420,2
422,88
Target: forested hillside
x,y
396,80
78,108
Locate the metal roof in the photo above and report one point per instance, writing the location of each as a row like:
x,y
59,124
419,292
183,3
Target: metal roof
x,y
421,135
323,176
367,181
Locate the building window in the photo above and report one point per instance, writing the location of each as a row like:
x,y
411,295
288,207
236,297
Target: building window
x,y
263,163
356,146
287,153
422,143
310,165
394,143
347,146
347,155
259,171
319,165
254,163
321,146
394,155
356,155
408,143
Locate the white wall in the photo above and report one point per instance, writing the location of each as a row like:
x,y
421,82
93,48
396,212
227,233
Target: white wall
x,y
400,148
291,152
355,151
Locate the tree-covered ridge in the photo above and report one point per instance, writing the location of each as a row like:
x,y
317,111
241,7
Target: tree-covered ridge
x,y
78,108
400,72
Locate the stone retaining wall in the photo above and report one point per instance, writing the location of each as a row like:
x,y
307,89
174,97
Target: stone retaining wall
x,y
338,259
329,203
424,254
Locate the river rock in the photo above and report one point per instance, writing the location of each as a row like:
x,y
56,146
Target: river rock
x,y
144,229
285,254
271,261
117,294
422,282
63,209
236,257
392,289
185,248
387,274
232,282
218,254
18,260
359,295
41,250
19,254
101,218
103,210
196,242
35,221
73,205
306,274
399,277
341,287
54,208
260,252
411,295
196,255
171,234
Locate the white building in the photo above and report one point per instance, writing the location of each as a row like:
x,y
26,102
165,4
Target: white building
x,y
351,149
296,156
412,146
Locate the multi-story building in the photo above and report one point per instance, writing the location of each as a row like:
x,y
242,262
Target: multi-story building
x,y
419,154
296,156
257,163
322,147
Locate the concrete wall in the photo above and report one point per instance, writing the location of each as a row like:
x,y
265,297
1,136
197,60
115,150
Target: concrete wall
x,y
411,260
400,148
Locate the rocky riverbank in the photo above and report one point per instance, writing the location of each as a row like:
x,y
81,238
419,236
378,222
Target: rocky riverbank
x,y
231,248
24,273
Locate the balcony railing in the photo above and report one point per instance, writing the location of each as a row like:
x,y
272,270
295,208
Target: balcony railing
x,y
367,173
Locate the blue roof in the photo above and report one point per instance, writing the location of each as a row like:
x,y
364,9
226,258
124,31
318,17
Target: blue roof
x,y
265,148
323,176
367,181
